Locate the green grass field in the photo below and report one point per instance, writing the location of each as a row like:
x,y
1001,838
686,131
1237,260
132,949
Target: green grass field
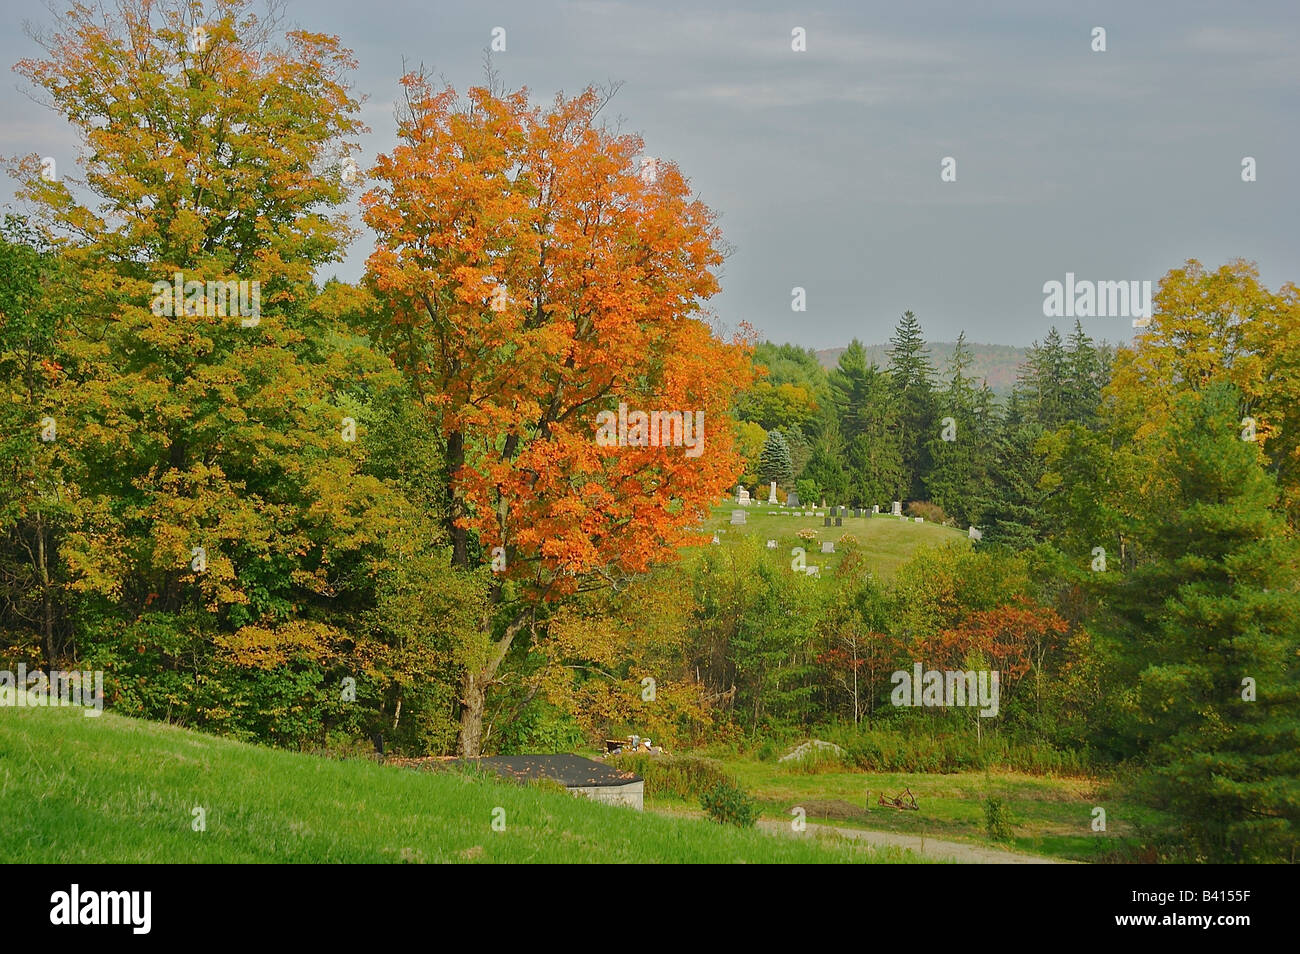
x,y
886,542
1051,815
112,789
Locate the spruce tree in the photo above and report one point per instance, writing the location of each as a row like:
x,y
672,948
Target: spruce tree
x,y
1042,381
912,376
774,462
1202,634
960,450
1084,378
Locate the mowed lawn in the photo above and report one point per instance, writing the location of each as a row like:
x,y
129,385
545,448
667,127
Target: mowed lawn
x,y
113,789
885,542
1051,815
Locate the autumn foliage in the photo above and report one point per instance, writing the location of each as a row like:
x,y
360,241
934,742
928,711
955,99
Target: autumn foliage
x,y
532,274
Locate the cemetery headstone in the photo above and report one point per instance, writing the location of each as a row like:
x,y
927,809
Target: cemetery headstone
x,y
771,493
974,534
898,508
738,517
742,497
828,546
875,508
839,521
792,500
771,544
826,522
812,570
920,520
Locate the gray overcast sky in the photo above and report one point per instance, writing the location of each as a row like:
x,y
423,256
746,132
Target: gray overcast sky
x,y
824,165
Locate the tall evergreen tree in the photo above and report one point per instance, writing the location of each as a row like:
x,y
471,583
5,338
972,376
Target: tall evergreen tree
x,y
961,448
1203,637
1042,381
1084,378
848,388
912,376
826,465
860,394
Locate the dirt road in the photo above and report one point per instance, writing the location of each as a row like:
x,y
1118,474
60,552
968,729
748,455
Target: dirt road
x,y
931,848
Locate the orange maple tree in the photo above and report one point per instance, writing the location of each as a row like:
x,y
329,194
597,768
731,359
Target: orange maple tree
x,y
535,272
1015,639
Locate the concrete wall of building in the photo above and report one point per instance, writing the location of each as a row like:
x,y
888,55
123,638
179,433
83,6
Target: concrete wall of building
x,y
632,794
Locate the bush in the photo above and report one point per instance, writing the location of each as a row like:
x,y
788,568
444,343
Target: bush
x,y
997,820
671,776
929,512
910,744
727,804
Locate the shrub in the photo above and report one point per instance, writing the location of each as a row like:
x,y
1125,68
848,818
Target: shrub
x,y
671,776
912,745
929,512
727,804
997,820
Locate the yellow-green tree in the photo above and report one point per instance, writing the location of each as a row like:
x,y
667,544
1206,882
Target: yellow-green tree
x,y
222,499
1209,327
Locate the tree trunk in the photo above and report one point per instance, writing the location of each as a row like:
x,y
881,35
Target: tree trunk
x,y
47,607
473,697
455,506
473,692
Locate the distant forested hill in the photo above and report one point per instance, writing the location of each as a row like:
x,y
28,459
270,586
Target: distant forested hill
x,y
994,362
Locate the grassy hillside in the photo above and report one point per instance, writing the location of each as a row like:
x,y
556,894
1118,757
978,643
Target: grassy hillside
x,y
112,789
886,542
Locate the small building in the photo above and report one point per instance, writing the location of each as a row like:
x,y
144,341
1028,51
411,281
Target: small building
x,y
598,781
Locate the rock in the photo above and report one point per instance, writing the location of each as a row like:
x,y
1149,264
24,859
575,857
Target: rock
x,y
807,748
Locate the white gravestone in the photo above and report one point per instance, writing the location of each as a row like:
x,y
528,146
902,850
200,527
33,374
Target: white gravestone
x,y
828,546
771,493
742,497
898,508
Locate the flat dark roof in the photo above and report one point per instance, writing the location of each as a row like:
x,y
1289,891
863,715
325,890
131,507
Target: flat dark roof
x,y
571,771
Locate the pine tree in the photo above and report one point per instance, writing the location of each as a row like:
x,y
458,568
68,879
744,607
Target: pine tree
x,y
774,463
1013,516
1211,610
1084,378
912,376
961,449
860,394
1042,381
826,465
